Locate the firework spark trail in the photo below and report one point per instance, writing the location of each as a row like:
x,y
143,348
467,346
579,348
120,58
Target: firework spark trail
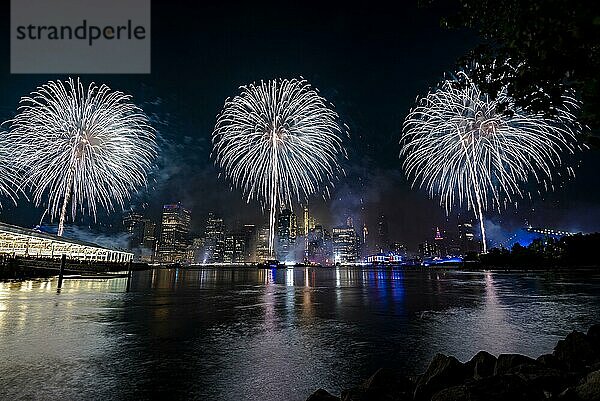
x,y
457,146
279,142
87,148
9,177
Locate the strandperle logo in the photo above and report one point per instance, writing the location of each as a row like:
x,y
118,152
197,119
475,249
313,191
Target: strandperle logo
x,y
85,31
80,36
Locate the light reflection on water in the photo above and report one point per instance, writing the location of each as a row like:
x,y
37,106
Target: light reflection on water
x,y
229,334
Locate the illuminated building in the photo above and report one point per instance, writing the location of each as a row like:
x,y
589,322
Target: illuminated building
x,y
364,246
229,247
262,244
382,258
287,231
174,234
305,221
344,245
235,247
214,239
18,241
306,230
398,248
439,244
426,250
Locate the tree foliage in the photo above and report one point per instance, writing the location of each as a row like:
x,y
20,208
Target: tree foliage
x,y
570,251
537,48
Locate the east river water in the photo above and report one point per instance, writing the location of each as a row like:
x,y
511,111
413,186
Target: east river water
x,y
257,334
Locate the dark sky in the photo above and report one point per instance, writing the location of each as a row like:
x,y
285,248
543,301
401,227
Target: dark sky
x,y
370,61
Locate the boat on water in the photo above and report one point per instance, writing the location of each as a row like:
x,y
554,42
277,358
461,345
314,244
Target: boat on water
x,y
443,263
274,264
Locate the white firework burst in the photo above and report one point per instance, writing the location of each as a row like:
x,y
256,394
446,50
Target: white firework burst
x,y
459,147
279,142
86,148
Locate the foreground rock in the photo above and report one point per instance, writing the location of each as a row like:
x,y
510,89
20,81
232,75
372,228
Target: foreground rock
x,y
443,372
384,385
570,373
482,364
589,387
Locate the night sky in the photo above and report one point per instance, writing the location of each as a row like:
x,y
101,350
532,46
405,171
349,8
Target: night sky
x,y
371,62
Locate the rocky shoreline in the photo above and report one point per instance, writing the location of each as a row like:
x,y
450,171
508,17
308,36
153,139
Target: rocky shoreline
x,y
570,373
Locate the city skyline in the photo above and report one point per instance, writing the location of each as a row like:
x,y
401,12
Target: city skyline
x,y
227,241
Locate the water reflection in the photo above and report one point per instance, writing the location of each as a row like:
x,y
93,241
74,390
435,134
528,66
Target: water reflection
x,y
269,334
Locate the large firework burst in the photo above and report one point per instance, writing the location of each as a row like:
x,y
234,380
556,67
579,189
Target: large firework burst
x,y
458,146
278,141
84,147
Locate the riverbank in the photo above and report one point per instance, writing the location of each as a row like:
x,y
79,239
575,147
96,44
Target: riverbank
x,y
570,373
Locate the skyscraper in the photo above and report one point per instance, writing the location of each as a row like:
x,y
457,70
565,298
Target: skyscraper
x,y
142,236
134,226
466,238
174,234
196,251
149,241
262,244
214,239
364,251
250,242
426,250
234,247
287,231
440,246
319,246
383,239
306,223
344,245
398,248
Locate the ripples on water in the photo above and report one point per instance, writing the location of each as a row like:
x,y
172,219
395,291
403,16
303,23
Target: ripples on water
x,y
246,334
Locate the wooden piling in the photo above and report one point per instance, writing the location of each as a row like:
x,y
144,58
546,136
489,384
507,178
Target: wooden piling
x,y
63,262
129,275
